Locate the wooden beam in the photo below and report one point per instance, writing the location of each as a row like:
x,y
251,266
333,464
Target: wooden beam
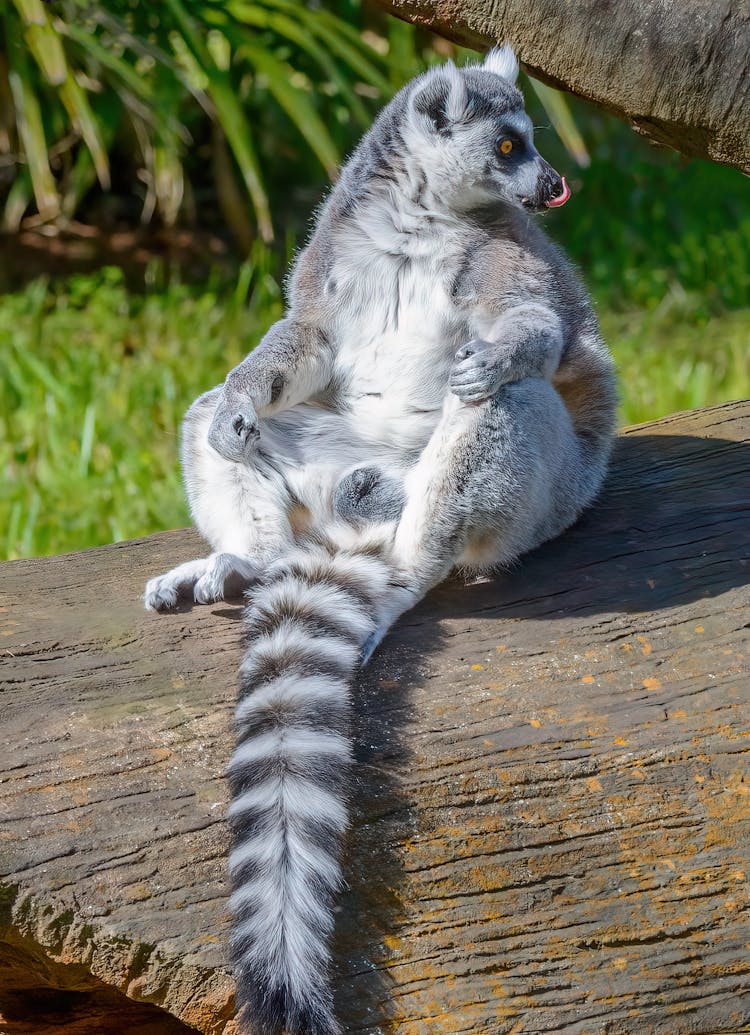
x,y
551,809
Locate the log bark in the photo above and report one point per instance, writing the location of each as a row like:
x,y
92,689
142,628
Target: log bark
x,y
679,73
552,804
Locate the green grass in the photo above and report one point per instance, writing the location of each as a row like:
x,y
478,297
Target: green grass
x,y
95,379
94,384
665,365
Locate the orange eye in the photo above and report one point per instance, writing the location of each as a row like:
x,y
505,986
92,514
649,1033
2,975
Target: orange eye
x,y
506,146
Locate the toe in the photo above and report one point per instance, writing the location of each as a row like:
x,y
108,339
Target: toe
x,y
159,597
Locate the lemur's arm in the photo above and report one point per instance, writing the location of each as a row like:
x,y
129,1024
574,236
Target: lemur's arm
x,y
513,295
292,362
526,340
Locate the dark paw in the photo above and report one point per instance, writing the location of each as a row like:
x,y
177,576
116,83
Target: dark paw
x,y
234,435
368,495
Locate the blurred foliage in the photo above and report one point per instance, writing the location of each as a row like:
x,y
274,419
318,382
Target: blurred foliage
x,y
83,85
273,92
95,383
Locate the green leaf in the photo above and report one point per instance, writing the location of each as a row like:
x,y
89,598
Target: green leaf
x,y
46,47
232,118
17,201
333,31
79,109
342,40
297,105
110,60
561,117
402,52
43,41
31,131
288,28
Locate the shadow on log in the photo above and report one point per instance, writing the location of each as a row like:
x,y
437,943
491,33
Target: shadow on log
x,y
552,807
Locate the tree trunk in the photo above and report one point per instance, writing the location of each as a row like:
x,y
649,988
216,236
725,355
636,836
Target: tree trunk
x,y
678,72
551,805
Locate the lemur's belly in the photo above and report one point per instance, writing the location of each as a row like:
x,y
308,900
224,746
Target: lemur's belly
x,y
393,385
397,333
398,414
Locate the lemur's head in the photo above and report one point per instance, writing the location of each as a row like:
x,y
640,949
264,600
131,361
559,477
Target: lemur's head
x,y
467,129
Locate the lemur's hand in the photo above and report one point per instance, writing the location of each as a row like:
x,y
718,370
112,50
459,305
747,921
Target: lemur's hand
x,y
250,387
479,370
234,431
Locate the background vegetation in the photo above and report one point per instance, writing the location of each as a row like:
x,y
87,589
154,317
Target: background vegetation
x,y
231,116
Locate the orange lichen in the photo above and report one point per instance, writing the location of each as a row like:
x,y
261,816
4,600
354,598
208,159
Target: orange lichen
x,y
646,647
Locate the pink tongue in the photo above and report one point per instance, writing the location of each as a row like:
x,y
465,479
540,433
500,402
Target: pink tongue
x,y
557,202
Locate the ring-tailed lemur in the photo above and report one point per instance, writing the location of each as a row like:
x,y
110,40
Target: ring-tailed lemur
x,y
438,395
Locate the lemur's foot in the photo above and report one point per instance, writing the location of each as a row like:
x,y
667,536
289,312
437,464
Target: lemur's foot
x,y
206,580
234,431
368,494
479,370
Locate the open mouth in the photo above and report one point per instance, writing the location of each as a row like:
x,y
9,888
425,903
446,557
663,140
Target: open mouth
x,y
535,205
561,198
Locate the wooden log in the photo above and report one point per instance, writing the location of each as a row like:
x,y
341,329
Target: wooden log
x,y
679,73
552,802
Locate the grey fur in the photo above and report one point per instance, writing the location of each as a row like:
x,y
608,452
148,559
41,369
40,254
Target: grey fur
x,y
367,495
439,383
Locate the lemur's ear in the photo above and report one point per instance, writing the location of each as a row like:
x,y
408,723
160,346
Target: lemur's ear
x,y
502,61
442,97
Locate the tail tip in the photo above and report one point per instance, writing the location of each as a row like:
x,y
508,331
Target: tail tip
x,y
279,1012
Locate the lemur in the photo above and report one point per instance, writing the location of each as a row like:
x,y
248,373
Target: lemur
x,y
437,397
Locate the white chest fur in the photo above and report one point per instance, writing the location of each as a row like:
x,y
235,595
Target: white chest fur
x,y
397,329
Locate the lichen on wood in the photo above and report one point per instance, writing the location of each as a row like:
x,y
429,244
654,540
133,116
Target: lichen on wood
x,y
551,803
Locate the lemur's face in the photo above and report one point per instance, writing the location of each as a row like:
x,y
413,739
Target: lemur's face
x,y
469,131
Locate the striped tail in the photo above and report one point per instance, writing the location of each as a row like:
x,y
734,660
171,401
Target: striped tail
x,y
306,626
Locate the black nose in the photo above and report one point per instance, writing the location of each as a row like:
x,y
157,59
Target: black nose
x,y
550,184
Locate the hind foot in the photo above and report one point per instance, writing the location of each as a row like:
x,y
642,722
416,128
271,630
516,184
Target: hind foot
x,y
368,495
204,580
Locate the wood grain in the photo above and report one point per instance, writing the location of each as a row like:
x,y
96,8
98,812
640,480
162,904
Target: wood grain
x,y
552,804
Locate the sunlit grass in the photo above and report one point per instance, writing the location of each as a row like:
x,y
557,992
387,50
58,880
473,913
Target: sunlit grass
x,y
665,366
95,380
94,384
